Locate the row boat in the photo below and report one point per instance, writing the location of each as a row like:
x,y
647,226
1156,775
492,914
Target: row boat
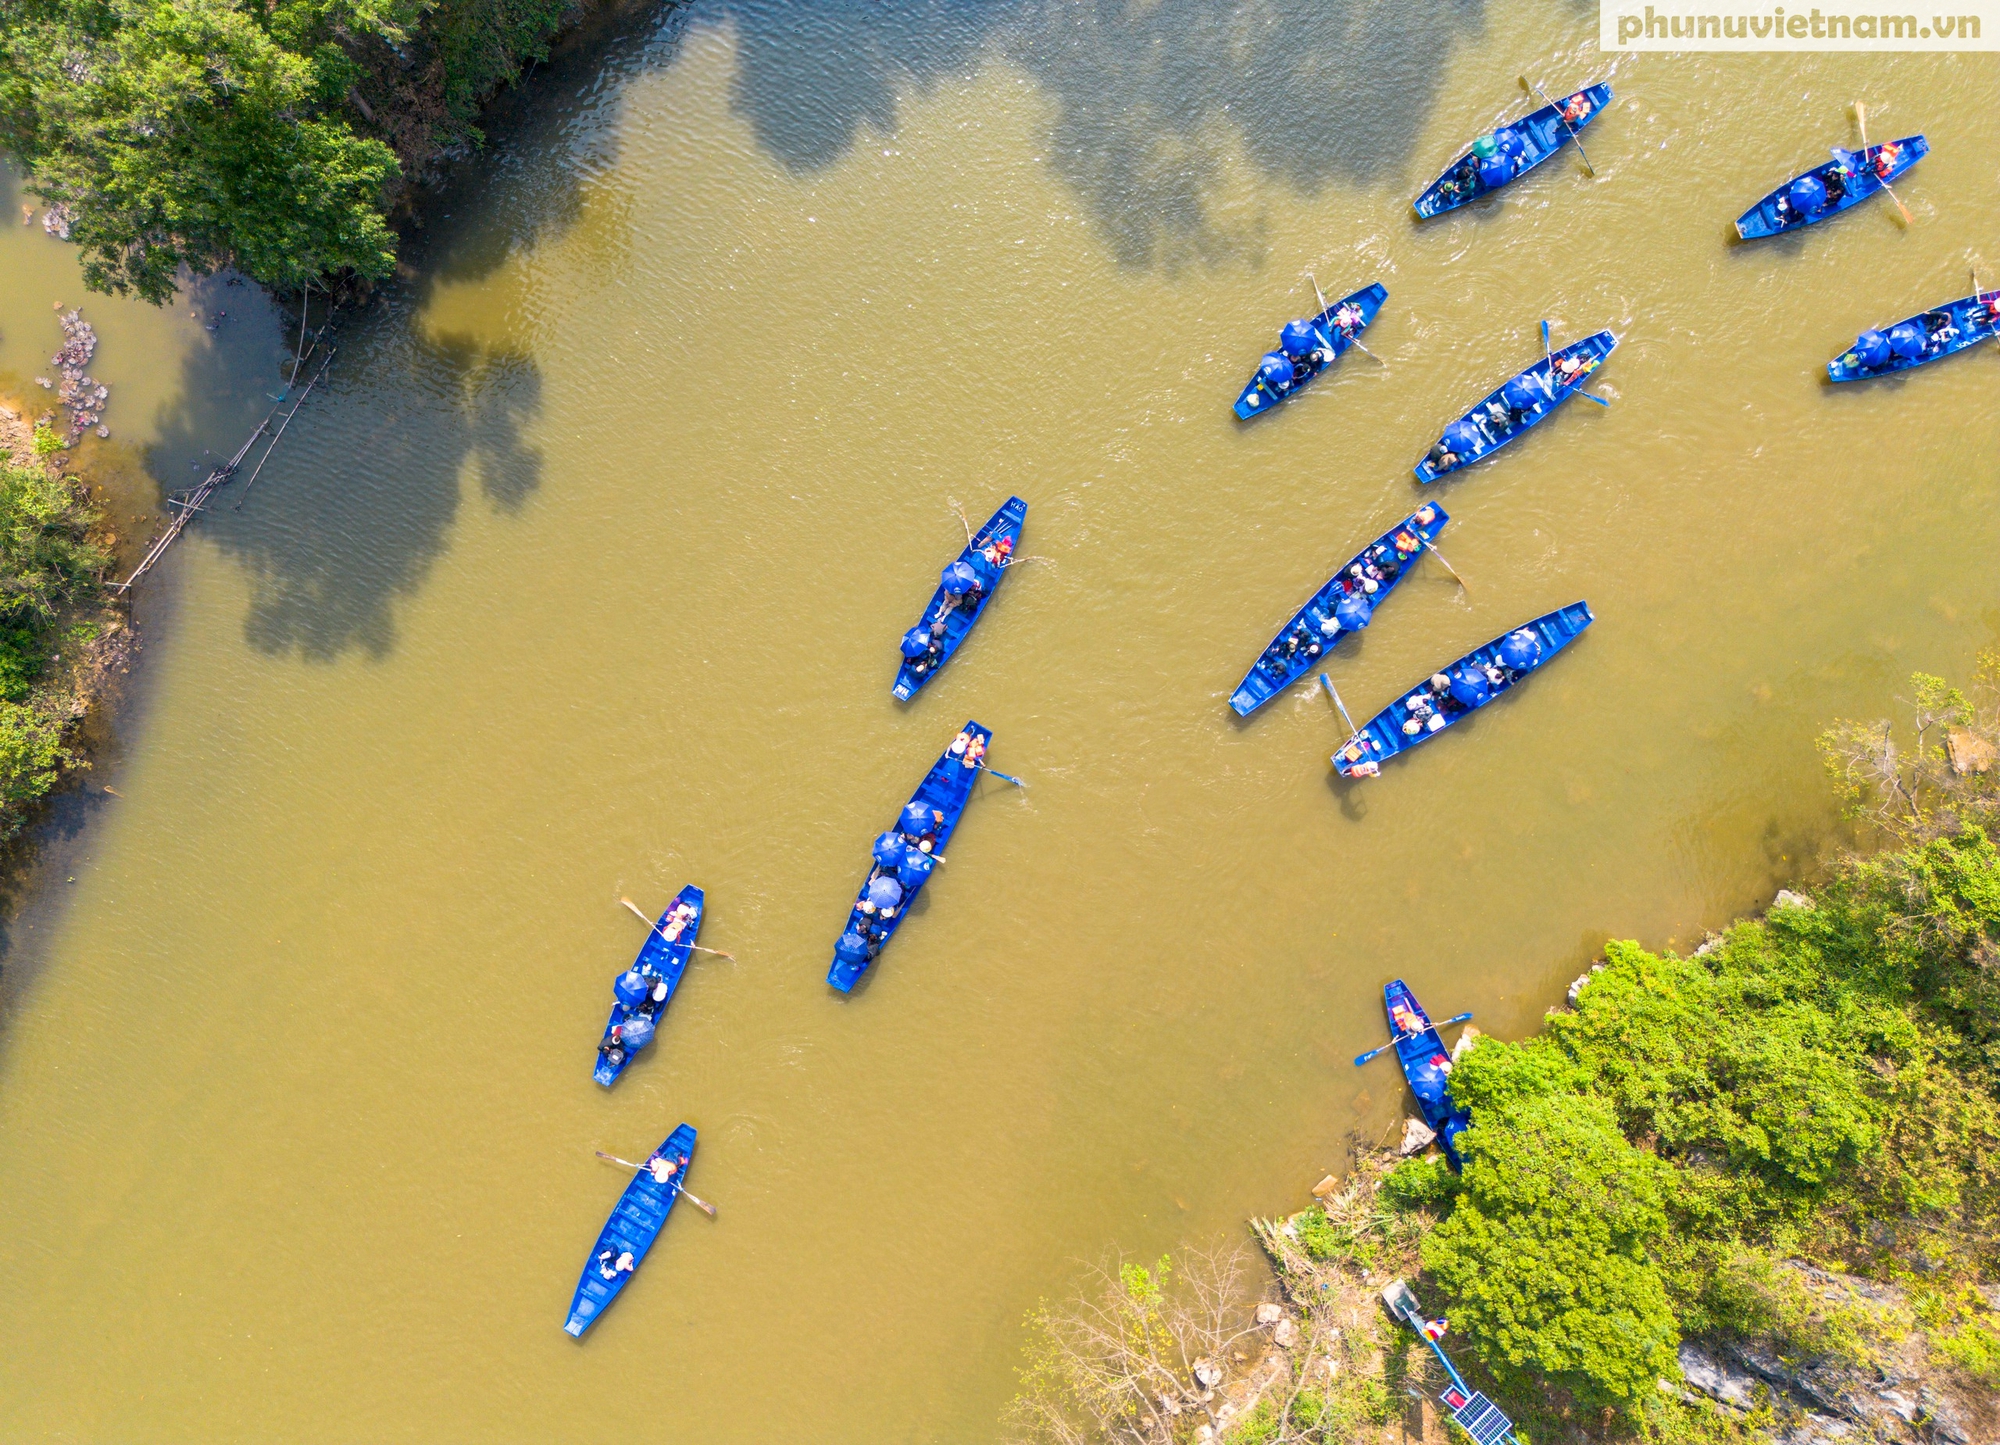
x,y
1850,178
902,856
1464,687
641,994
630,1231
964,589
1511,151
1307,348
1426,1064
1344,605
1521,402
1917,339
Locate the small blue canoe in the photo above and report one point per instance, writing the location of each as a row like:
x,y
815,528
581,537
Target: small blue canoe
x,y
1426,1063
1344,605
651,981
1850,178
1917,339
1522,402
1516,148
630,1231
964,589
1308,347
902,856
1468,685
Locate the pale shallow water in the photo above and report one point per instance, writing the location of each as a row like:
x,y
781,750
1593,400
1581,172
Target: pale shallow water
x,y
585,579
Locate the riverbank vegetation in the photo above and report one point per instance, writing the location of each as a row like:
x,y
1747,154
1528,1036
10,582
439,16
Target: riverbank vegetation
x,y
59,632
1770,1171
274,137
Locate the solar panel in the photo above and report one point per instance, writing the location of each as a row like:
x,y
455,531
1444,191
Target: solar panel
x,y
1480,1418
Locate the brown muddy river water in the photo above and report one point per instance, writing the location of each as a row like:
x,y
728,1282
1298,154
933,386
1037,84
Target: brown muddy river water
x,y
585,576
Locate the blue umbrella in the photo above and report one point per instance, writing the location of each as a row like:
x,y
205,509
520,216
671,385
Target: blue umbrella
x,y
916,820
1871,348
632,986
959,577
1353,613
1497,169
885,892
1906,340
1518,394
1807,194
914,869
1276,369
1521,650
852,948
1298,338
1469,685
638,1032
916,642
889,850
1462,437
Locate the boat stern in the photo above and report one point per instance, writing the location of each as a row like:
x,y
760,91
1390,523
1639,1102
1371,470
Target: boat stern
x,y
1254,401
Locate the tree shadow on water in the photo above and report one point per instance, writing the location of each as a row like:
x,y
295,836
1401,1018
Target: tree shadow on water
x,y
1150,98
359,499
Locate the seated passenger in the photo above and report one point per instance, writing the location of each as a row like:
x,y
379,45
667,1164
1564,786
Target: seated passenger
x,y
661,1169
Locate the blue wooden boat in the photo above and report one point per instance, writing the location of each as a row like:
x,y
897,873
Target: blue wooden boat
x,y
1510,151
1426,1064
1344,605
1917,339
630,1231
650,981
976,575
902,858
1465,686
1521,402
1850,178
1308,347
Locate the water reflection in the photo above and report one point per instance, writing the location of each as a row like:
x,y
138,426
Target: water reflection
x,y
1150,99
410,415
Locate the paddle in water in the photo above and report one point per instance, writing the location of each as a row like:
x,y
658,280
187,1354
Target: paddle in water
x,y
1449,568
702,1204
1565,123
1003,776
1353,337
1352,730
657,929
1861,124
1360,1059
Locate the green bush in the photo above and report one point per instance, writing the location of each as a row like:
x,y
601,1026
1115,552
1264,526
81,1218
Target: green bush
x,y
32,757
1425,1182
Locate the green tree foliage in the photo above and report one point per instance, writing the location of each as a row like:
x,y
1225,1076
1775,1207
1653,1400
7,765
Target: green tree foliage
x,y
47,561
205,133
199,133
1545,1253
1824,1081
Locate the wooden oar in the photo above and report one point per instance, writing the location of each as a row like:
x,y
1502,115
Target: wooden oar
x,y
961,519
663,933
1353,337
1448,567
1565,124
1861,123
1360,1059
1352,730
998,774
701,1204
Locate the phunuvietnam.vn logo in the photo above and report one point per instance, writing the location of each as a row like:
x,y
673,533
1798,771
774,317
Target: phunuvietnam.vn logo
x,y
1749,25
